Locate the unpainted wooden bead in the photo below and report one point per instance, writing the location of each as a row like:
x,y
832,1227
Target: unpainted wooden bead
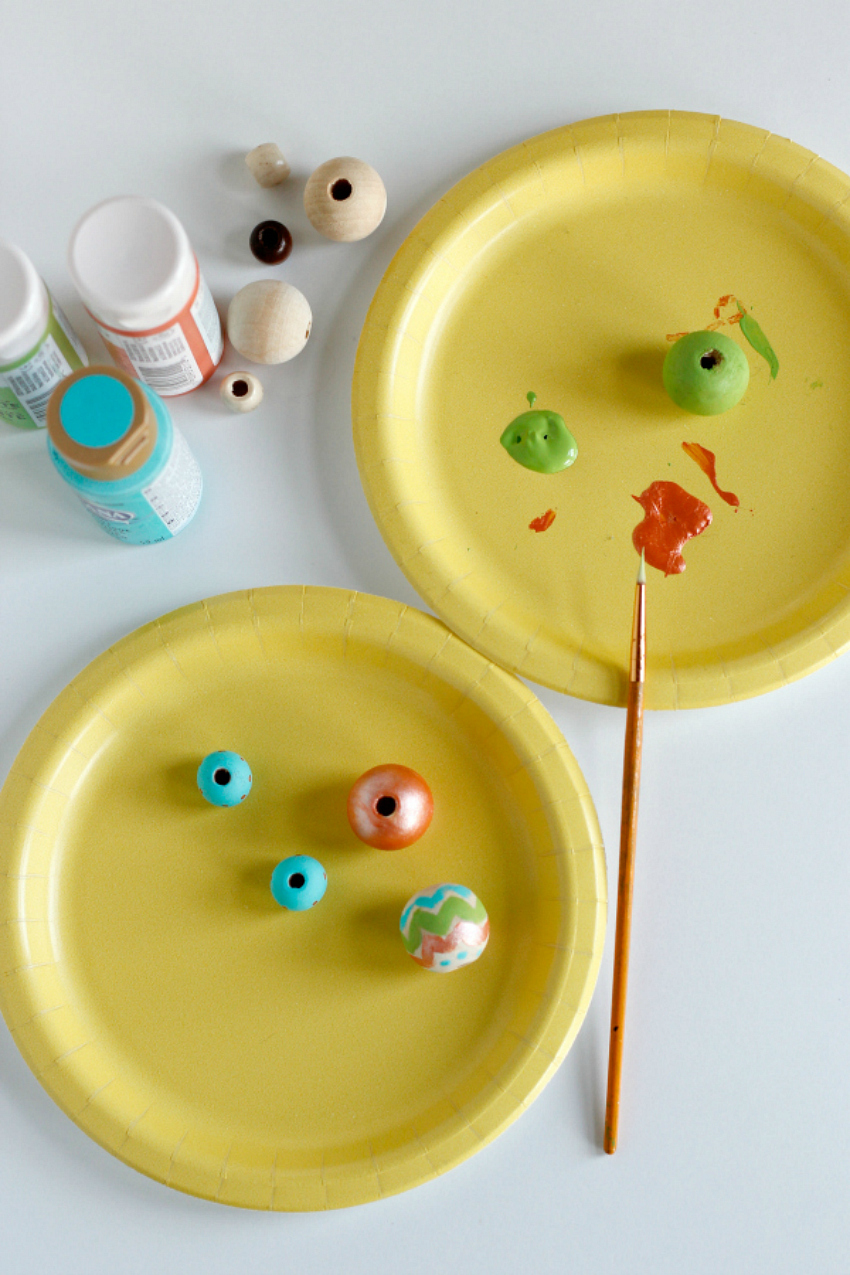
x,y
241,391
267,164
269,321
345,199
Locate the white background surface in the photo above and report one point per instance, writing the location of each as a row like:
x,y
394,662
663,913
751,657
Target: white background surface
x,y
735,1121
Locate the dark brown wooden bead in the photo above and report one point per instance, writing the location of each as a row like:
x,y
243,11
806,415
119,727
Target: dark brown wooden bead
x,y
271,242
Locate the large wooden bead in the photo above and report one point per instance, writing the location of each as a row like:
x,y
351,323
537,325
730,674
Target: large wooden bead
x,y
267,164
269,321
445,927
345,199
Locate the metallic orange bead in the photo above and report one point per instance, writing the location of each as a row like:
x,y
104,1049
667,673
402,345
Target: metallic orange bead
x,y
390,807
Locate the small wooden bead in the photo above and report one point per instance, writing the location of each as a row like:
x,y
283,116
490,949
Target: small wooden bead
x,y
267,164
269,321
270,242
345,199
241,391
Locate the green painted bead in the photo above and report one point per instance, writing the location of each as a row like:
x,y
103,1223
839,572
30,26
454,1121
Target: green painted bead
x,y
540,440
706,373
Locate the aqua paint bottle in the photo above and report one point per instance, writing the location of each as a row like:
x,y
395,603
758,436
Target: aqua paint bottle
x,y
113,441
38,346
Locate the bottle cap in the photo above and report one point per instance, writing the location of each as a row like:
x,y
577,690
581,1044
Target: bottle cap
x,y
132,263
102,423
24,305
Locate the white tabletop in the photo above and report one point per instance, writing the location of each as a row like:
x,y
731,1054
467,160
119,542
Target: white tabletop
x,y
735,1102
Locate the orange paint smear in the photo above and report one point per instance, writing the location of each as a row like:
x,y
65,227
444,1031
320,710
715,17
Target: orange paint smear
x,y
544,522
722,303
672,517
706,461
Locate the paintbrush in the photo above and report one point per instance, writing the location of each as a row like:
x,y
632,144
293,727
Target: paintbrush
x,y
628,837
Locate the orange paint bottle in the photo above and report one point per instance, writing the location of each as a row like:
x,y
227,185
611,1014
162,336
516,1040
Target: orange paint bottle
x,y
133,265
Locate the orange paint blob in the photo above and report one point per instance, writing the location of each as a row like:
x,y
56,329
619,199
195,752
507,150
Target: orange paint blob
x,y
544,522
706,461
672,516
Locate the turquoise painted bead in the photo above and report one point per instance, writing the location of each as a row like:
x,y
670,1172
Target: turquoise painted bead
x,y
224,778
299,883
445,927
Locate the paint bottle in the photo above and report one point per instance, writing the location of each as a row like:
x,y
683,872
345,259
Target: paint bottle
x,y
132,264
38,346
114,443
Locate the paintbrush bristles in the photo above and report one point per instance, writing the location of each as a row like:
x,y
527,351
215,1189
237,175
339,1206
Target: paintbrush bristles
x,y
641,575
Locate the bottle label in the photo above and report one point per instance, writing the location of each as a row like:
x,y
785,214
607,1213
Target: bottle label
x,y
175,495
158,511
176,357
26,387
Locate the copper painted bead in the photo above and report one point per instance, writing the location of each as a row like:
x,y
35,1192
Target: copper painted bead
x,y
271,242
390,807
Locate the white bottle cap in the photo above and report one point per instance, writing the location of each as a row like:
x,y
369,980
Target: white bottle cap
x,y
24,304
132,263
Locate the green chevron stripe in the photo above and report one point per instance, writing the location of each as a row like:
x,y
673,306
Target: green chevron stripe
x,y
441,922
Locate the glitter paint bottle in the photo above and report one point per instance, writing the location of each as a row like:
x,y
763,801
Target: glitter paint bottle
x,y
38,346
132,264
113,442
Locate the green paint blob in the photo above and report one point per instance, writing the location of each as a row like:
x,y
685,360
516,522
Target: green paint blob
x,y
540,441
532,398
706,373
757,339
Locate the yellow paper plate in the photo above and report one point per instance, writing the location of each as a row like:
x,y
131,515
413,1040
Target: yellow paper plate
x,y
259,1057
563,266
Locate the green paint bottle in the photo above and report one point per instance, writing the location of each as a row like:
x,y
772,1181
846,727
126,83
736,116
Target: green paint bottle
x,y
38,346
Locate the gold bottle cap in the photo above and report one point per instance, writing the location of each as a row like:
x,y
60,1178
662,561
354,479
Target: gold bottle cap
x,y
102,423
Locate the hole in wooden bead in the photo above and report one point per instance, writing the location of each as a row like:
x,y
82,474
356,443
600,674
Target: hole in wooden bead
x,y
386,806
297,880
221,776
239,389
341,189
711,359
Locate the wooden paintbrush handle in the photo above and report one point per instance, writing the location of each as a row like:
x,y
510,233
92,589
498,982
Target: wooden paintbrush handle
x,y
628,837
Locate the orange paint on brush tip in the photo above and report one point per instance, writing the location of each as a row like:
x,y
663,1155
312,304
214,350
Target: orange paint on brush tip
x,y
706,461
544,522
672,517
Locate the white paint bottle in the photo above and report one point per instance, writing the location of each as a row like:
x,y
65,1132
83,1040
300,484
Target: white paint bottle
x,y
38,346
133,265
